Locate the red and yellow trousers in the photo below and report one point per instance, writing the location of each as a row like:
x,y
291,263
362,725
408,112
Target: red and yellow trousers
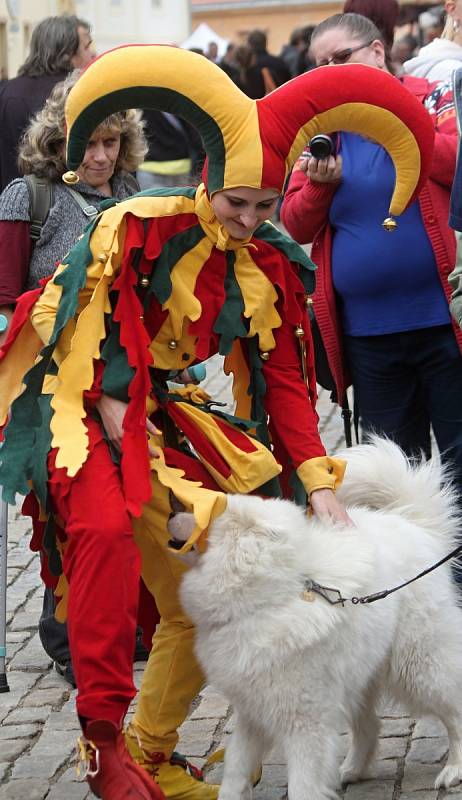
x,y
105,552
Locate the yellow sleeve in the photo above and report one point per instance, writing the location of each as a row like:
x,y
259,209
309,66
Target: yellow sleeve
x,y
322,472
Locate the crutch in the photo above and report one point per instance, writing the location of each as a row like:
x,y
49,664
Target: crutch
x,y
3,556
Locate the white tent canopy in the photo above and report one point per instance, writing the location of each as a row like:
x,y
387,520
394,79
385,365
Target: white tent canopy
x,y
202,37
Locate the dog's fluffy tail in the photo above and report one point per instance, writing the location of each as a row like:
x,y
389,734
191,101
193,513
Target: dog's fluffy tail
x,y
380,476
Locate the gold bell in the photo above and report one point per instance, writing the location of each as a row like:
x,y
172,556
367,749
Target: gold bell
x,y
172,345
264,355
389,224
144,281
308,300
299,332
70,177
308,596
103,257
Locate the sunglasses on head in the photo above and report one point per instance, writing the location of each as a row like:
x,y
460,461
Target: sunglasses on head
x,y
343,56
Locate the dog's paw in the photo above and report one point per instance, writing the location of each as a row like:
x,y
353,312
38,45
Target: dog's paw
x,y
451,775
349,773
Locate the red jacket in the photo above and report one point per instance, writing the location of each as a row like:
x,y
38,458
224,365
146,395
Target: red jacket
x,y
305,213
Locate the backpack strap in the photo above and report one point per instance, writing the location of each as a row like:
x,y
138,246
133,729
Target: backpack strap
x,y
88,209
40,201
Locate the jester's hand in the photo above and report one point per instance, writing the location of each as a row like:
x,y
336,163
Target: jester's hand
x,y
325,504
112,413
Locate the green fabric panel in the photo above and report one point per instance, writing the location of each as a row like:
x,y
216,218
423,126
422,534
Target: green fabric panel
x,y
156,98
118,373
300,496
268,233
169,191
39,474
73,279
182,191
17,453
229,324
174,249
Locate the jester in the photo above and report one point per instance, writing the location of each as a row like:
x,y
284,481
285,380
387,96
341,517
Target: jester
x,y
157,283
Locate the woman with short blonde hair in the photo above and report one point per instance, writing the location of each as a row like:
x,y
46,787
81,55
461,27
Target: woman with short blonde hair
x,y
41,151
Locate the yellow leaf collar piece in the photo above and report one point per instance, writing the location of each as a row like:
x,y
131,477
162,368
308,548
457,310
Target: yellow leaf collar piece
x,y
216,232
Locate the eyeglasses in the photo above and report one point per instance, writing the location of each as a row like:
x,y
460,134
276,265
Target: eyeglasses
x,y
343,56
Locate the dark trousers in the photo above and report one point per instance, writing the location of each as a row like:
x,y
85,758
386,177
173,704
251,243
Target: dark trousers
x,y
53,634
406,382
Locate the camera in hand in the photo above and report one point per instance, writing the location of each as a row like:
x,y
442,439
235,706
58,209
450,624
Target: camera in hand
x,y
321,146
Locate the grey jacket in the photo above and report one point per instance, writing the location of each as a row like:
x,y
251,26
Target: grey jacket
x,y
64,224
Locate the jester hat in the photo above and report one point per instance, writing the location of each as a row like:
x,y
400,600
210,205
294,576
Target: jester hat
x,y
254,143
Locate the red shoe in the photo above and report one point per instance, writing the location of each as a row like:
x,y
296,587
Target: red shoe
x,y
111,773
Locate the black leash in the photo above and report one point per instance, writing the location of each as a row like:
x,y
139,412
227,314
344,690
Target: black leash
x,y
312,586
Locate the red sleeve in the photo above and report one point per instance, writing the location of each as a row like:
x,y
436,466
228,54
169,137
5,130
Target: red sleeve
x,y
15,253
306,206
287,401
440,105
92,395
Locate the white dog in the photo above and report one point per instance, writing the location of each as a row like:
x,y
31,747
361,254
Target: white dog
x,y
295,667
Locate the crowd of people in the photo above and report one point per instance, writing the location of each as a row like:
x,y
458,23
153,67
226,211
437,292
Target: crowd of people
x,y
119,270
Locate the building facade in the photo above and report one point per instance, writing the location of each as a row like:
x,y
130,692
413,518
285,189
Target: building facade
x,y
17,20
114,22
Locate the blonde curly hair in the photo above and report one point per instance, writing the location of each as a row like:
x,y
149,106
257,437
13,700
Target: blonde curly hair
x,y
42,148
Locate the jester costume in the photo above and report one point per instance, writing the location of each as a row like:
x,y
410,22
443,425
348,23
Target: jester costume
x,y
154,285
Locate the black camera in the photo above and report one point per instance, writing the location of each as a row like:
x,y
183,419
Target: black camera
x,y
321,146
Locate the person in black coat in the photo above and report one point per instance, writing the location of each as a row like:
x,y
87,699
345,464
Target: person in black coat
x,y
58,45
280,72
175,155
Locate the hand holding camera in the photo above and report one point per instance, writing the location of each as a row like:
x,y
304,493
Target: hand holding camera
x,y
319,162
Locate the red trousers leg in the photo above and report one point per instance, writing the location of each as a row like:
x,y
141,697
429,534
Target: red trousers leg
x,y
102,566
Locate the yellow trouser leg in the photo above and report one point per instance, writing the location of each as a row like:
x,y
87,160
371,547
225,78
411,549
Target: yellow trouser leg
x,y
172,677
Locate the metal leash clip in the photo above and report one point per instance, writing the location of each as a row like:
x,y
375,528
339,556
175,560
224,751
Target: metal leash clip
x,y
312,586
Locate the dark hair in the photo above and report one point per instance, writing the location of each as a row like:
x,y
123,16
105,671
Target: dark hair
x,y
257,40
358,26
296,37
383,13
244,57
53,43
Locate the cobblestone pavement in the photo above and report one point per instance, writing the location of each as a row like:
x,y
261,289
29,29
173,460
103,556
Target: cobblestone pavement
x,y
39,726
